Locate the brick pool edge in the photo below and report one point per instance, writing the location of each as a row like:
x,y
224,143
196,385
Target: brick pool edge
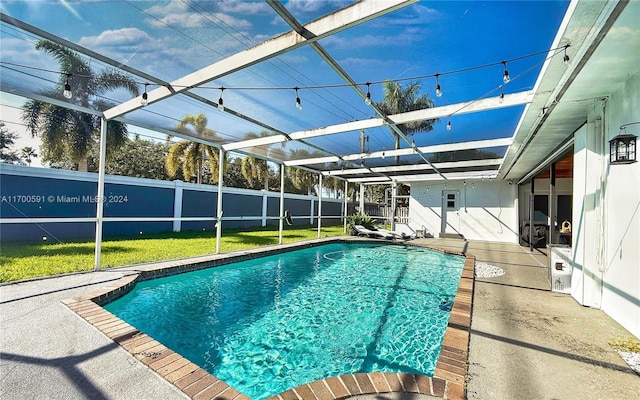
x,y
448,381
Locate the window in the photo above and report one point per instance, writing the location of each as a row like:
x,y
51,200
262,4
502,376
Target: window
x,y
451,201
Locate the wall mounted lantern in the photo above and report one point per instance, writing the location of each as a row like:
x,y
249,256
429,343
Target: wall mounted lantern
x,y
622,148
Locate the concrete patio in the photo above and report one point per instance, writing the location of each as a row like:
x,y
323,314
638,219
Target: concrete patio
x,y
526,342
530,343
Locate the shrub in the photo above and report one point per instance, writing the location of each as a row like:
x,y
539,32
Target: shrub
x,y
359,219
630,345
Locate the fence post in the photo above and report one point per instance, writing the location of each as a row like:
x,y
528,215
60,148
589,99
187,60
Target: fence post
x,y
346,205
319,204
311,214
264,207
177,205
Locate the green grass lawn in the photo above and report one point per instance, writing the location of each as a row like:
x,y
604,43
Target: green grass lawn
x,y
37,259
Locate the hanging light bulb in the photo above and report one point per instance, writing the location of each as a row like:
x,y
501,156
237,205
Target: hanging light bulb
x,y
220,101
298,103
566,58
145,97
449,125
438,88
67,89
383,155
505,76
367,100
501,98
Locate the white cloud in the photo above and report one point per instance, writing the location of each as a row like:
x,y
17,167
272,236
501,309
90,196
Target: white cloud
x,y
180,15
118,38
293,59
244,7
307,6
371,62
403,39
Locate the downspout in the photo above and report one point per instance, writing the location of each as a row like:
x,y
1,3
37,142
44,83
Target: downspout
x,y
601,257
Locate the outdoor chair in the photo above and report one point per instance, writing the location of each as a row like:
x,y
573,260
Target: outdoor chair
x,y
362,231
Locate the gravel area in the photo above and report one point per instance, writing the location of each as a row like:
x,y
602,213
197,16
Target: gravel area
x,y
633,359
484,270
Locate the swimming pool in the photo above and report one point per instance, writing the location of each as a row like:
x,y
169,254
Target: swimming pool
x,y
272,323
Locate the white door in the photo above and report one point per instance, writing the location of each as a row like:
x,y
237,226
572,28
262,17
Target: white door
x,y
450,211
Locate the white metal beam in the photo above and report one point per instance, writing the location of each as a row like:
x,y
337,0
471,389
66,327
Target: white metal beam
x,y
452,176
476,144
261,141
308,161
371,179
414,167
439,148
467,107
451,164
491,103
341,20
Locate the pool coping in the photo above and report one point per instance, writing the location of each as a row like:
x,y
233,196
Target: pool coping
x,y
448,381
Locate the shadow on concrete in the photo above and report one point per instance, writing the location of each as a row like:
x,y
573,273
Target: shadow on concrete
x,y
69,366
485,281
557,353
64,289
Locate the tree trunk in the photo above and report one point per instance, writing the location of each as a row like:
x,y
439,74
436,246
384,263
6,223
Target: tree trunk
x,y
199,173
83,164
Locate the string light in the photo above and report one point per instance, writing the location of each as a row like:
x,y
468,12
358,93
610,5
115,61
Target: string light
x,y
145,97
449,125
505,76
298,103
367,100
501,98
67,88
220,101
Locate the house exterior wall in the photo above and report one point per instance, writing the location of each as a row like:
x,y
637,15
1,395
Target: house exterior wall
x,y
606,250
487,210
621,294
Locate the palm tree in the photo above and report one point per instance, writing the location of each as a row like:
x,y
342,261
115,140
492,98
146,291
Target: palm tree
x,y
68,133
398,99
7,141
300,178
332,183
192,156
28,153
255,168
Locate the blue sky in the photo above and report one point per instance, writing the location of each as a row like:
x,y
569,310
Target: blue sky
x,y
171,39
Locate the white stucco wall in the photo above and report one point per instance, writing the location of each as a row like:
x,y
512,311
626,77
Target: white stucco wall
x,y
621,292
606,213
487,209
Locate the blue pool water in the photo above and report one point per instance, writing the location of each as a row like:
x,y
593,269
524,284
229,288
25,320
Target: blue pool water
x,y
273,323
